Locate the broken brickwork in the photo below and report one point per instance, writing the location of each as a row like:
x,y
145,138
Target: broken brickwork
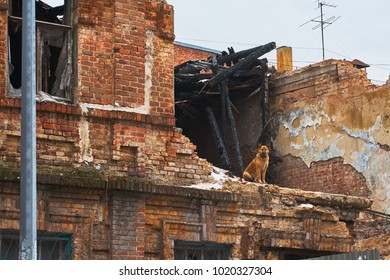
x,y
120,122
130,220
332,176
114,173
331,131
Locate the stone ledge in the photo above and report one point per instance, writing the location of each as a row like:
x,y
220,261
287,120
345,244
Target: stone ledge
x,y
92,182
72,109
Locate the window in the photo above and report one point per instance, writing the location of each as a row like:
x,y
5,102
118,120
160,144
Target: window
x,y
53,46
201,251
49,246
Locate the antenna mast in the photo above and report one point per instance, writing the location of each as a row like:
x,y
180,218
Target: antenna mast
x,y
323,23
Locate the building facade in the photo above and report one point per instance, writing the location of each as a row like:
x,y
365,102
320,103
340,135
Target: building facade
x,y
115,176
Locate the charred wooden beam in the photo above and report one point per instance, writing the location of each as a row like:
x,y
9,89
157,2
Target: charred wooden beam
x,y
265,136
218,139
223,94
263,96
190,78
195,66
242,64
235,56
232,123
195,97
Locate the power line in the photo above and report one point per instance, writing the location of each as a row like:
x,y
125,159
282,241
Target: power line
x,y
376,65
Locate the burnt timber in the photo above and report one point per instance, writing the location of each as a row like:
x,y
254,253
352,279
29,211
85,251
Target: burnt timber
x,y
205,87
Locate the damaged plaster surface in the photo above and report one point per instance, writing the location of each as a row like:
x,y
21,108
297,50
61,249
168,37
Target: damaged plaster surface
x,y
85,143
344,117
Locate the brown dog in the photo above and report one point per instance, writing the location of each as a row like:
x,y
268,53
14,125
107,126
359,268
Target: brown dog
x,y
255,172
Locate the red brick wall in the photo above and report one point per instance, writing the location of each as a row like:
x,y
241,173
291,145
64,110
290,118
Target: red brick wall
x,y
183,54
332,176
118,46
126,220
318,110
122,121
95,57
3,45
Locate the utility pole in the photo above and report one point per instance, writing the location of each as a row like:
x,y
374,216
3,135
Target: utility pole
x,y
323,23
28,179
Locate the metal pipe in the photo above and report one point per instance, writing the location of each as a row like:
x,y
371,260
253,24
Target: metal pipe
x,y
322,32
28,182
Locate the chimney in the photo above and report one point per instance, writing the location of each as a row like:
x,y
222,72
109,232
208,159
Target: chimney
x,y
284,59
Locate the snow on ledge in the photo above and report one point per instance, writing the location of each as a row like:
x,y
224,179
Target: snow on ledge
x,y
219,176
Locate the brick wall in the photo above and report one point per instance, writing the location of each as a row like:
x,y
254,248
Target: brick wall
x,y
183,54
333,176
118,219
3,45
127,226
330,131
121,122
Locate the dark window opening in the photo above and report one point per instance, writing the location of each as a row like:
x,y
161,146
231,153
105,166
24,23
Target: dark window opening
x,y
49,246
53,49
201,251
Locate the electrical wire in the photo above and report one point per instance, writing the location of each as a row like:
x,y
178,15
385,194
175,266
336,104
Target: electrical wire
x,y
343,56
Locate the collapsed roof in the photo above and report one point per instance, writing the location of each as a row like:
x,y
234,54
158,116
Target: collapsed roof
x,y
219,81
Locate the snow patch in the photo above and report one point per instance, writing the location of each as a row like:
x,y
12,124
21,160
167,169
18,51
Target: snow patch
x,y
44,97
306,205
219,176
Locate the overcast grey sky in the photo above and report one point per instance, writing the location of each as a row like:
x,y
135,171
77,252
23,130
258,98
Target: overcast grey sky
x,y
361,32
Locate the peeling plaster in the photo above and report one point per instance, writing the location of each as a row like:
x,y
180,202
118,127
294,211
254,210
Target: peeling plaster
x,y
149,60
361,158
357,128
366,136
332,139
305,120
85,144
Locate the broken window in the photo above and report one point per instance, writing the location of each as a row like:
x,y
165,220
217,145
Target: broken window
x,y
53,48
49,246
201,251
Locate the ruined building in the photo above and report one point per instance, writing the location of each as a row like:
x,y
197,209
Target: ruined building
x,y
118,179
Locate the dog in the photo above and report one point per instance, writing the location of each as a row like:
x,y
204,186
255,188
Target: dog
x,y
255,171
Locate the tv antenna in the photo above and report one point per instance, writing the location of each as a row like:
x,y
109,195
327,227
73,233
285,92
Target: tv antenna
x,y
322,23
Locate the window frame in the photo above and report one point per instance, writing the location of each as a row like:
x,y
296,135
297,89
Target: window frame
x,y
63,240
221,250
64,82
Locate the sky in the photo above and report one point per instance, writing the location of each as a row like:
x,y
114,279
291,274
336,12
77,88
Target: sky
x,y
361,32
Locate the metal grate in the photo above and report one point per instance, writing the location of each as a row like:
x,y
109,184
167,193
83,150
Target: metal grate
x,y
201,251
49,246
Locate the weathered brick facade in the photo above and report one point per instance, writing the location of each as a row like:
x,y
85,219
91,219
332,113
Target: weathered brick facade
x,y
331,131
121,120
332,176
130,220
113,170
